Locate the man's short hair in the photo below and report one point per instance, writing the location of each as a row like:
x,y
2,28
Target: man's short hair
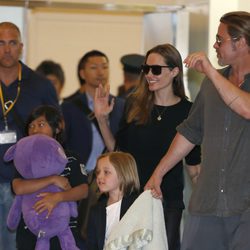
x,y
82,62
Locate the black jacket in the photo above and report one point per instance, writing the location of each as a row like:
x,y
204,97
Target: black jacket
x,y
78,129
97,221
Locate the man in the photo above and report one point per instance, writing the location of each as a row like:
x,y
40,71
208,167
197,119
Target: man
x,y
82,134
131,73
54,72
219,120
21,90
81,129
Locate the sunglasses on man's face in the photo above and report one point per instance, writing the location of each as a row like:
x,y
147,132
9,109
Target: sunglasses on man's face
x,y
155,69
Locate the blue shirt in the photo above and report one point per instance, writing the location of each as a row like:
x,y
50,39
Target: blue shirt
x,y
97,141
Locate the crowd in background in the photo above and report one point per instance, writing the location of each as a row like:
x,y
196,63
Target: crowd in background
x,y
143,138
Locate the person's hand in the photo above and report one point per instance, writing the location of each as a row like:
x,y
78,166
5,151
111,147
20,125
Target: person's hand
x,y
48,202
154,184
199,62
102,108
61,182
193,172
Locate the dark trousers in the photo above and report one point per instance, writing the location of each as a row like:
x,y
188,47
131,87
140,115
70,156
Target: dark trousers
x,y
26,240
172,222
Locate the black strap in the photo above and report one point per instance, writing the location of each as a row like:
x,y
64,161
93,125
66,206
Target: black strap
x,y
88,112
17,118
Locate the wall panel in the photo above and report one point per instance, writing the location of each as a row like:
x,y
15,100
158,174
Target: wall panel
x,y
65,37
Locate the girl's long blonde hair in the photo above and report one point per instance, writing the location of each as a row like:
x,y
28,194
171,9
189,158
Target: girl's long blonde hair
x,y
126,169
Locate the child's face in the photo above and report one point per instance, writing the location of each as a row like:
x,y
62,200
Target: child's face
x,y
106,176
40,126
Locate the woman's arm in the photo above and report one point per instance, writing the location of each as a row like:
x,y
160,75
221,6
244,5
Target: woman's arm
x,y
102,109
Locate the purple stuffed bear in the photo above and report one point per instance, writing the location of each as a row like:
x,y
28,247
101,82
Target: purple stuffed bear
x,y
34,157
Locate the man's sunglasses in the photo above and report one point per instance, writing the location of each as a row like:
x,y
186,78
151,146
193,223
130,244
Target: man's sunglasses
x,y
155,69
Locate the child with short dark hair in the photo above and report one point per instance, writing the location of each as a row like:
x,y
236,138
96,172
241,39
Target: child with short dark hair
x,y
49,121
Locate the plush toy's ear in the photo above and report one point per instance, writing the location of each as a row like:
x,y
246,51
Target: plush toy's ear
x,y
9,154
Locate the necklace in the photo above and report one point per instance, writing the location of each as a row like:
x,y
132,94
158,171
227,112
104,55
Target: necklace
x,y
160,113
239,85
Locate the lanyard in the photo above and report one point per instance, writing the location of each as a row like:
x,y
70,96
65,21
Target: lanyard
x,y
7,106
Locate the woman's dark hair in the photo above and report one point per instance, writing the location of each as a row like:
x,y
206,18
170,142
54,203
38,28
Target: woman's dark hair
x,y
54,118
141,101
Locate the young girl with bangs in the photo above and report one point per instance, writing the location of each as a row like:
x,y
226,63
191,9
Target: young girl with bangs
x,y
117,178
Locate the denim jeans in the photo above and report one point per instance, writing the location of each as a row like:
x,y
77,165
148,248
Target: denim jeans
x,y
7,238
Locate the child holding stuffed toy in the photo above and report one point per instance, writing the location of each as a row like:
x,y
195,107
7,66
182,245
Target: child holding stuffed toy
x,y
48,120
117,179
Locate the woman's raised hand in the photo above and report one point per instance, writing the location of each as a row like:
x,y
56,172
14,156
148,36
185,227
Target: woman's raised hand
x,y
102,107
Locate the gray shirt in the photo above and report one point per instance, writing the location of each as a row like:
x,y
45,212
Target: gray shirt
x,y
223,188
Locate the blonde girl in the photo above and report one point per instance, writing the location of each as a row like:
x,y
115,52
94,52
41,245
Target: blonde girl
x,y
117,179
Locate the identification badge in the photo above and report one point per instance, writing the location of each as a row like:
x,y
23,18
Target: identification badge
x,y
8,136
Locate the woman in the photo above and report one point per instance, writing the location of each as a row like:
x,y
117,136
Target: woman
x,y
152,113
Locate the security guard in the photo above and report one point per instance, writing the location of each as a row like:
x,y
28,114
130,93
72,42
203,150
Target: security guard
x,y
131,72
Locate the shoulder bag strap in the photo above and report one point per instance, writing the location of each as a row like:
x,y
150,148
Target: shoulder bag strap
x,y
88,112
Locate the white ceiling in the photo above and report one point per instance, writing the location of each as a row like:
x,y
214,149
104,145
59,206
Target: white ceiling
x,y
115,5
165,2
